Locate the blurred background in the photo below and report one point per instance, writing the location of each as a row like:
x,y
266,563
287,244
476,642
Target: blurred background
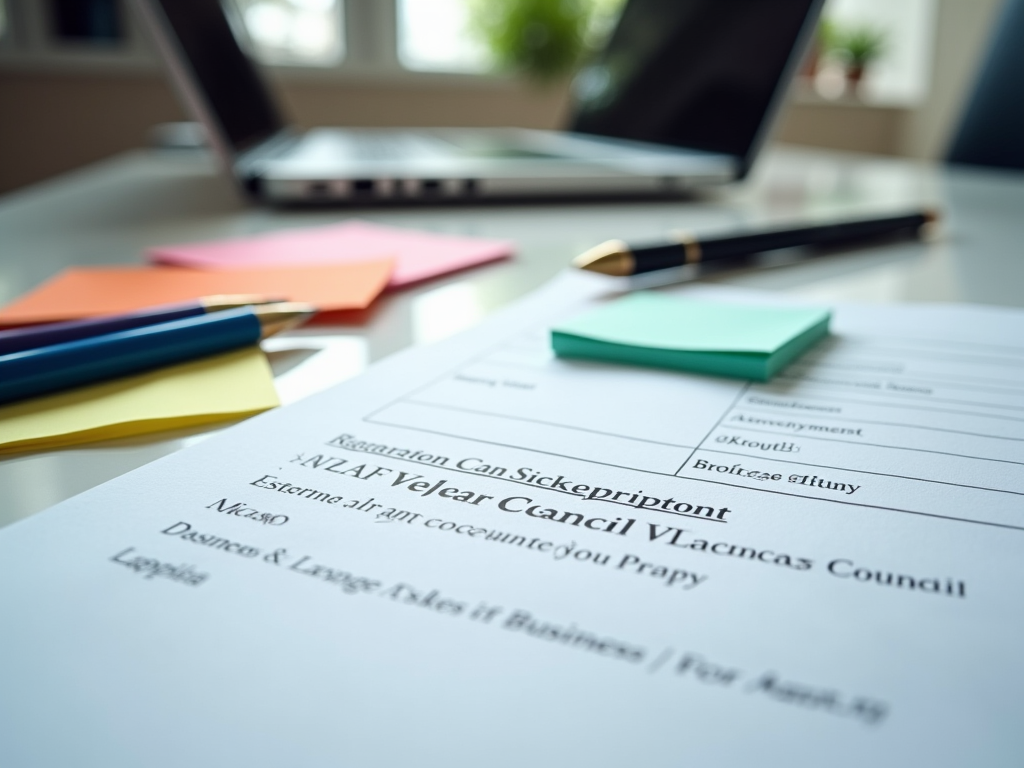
x,y
79,82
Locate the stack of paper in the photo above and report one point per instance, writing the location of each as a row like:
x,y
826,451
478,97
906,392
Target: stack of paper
x,y
823,571
337,268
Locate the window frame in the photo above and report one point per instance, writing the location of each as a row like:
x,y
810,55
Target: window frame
x,y
30,46
371,54
371,51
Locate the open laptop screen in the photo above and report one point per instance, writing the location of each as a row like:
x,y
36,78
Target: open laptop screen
x,y
700,74
229,86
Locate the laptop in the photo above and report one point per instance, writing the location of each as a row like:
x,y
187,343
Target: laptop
x,y
682,96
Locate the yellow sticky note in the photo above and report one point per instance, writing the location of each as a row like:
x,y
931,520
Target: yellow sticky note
x,y
227,386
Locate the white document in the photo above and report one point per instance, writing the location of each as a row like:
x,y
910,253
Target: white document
x,y
478,555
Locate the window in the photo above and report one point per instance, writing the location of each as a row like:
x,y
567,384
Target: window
x,y
75,35
295,32
439,35
901,73
423,39
436,35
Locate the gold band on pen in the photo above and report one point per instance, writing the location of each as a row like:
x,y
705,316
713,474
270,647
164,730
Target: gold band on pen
x,y
691,245
931,230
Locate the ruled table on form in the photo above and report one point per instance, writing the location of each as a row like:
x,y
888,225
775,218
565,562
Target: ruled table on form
x,y
907,421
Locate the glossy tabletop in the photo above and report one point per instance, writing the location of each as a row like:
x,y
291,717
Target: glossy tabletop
x,y
110,212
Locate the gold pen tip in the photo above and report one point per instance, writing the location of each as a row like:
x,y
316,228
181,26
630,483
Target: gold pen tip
x,y
611,257
283,316
232,300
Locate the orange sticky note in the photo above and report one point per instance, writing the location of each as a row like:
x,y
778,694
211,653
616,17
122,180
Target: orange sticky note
x,y
89,291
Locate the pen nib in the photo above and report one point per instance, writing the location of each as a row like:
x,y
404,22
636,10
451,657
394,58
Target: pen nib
x,y
282,316
612,257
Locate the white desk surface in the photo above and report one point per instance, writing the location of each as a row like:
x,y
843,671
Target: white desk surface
x,y
108,213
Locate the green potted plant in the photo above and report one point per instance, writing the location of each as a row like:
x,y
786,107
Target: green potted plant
x,y
543,40
858,47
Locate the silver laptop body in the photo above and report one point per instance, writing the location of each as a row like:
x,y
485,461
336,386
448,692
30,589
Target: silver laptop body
x,y
682,96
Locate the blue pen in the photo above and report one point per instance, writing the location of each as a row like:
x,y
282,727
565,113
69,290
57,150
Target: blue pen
x,y
34,336
75,363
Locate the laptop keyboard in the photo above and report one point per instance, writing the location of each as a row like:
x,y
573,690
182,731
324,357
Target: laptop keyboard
x,y
373,145
393,146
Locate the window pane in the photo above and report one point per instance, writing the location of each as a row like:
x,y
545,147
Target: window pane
x,y
303,32
434,35
438,35
902,72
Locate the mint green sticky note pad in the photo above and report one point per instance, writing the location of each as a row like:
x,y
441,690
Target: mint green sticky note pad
x,y
718,338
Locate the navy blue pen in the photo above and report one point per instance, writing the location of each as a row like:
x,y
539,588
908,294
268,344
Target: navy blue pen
x,y
33,336
86,361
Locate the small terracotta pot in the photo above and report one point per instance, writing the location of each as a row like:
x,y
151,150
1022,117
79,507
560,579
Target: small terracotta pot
x,y
854,77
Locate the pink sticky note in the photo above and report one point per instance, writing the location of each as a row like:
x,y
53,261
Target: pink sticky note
x,y
418,255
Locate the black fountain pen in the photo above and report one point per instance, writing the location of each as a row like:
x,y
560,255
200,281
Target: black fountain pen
x,y
618,258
